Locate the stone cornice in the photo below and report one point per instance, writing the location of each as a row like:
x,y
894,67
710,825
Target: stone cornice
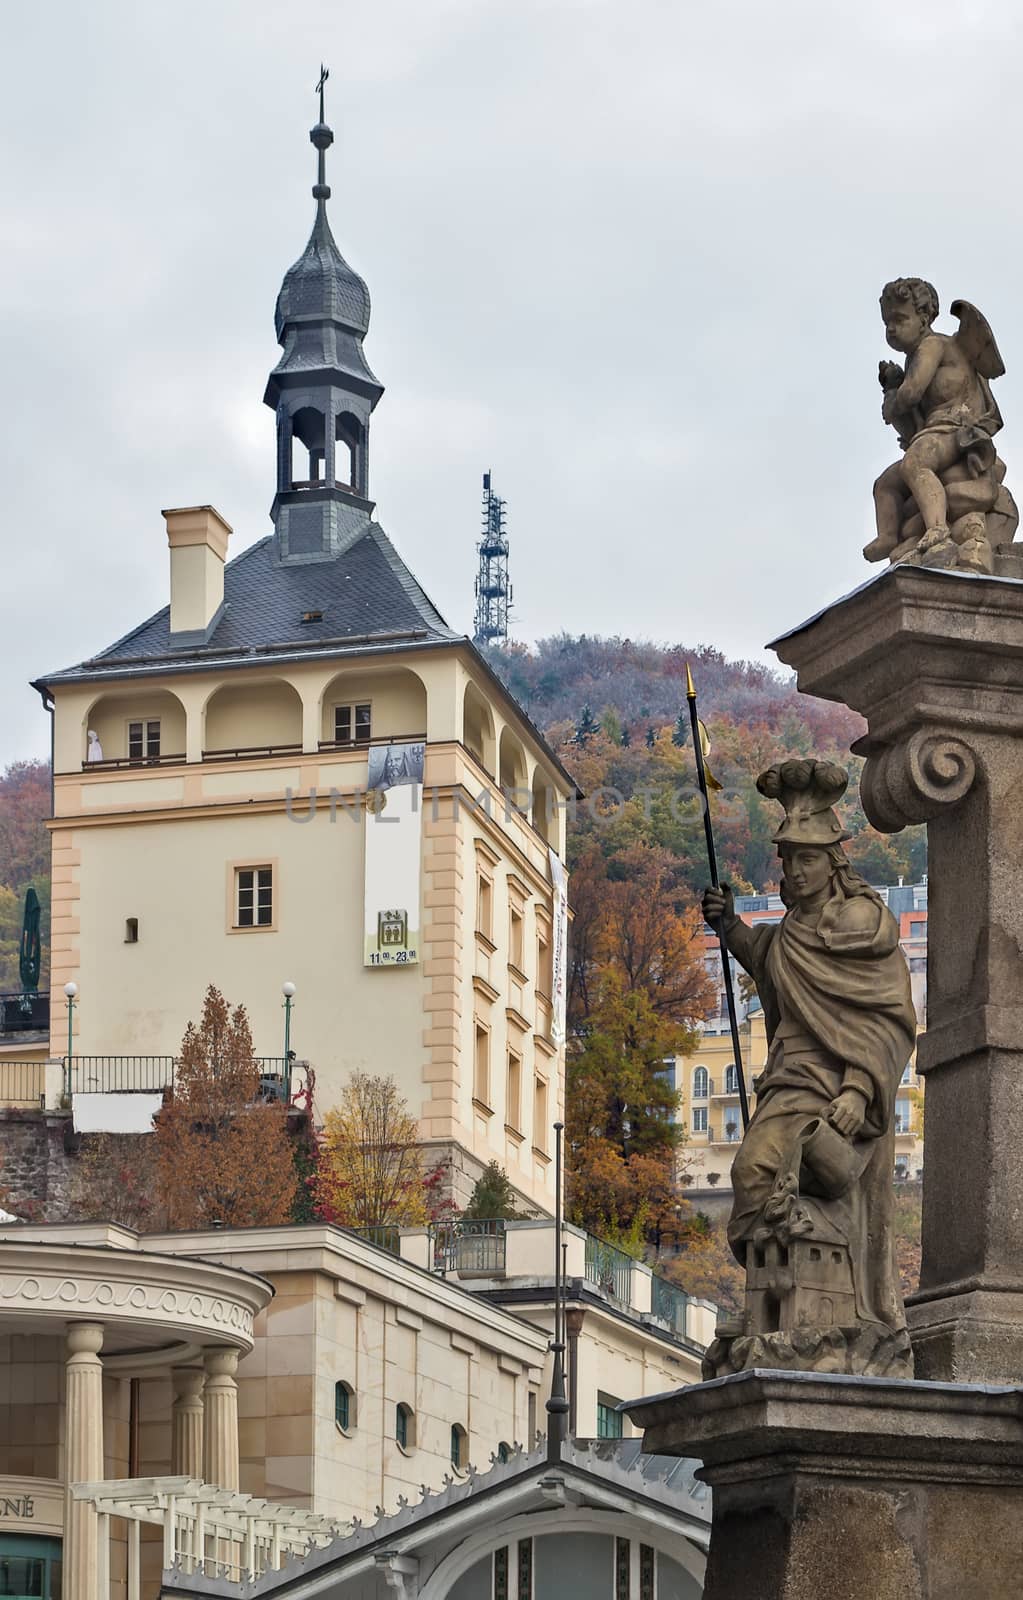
x,y
334,1252
169,1297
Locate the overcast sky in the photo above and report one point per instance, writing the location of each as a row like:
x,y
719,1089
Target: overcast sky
x,y
628,256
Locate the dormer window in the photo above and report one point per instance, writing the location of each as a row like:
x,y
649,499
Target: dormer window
x,y
352,723
144,740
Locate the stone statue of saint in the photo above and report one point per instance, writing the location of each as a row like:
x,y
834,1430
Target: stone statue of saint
x,y
812,1182
945,503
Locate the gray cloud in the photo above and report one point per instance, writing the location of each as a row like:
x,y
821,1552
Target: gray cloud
x,y
627,256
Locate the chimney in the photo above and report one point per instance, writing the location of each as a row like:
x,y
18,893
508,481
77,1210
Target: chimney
x,y
198,537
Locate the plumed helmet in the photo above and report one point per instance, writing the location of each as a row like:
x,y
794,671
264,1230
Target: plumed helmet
x,y
808,790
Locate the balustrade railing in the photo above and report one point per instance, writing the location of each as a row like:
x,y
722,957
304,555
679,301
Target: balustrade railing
x,y
669,1304
151,1074
469,1245
22,1083
609,1269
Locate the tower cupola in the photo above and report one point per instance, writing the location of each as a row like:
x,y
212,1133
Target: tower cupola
x,y
322,391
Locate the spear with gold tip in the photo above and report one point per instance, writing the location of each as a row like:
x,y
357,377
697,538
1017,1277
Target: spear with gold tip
x,y
707,781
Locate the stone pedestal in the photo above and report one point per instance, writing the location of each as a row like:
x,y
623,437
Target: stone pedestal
x,y
934,661
838,1488
83,1458
221,1417
187,1422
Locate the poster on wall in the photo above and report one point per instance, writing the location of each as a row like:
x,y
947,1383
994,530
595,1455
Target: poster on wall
x,y
393,853
559,952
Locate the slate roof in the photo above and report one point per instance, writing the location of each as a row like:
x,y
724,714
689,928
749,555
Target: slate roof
x,y
367,597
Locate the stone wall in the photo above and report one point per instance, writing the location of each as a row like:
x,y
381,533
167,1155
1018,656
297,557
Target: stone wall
x,y
35,1166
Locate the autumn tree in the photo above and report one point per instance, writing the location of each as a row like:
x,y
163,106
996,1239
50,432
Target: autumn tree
x,y
705,1267
638,988
223,1154
370,1174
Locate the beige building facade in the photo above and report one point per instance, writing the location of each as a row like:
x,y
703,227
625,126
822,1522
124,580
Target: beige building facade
x,y
289,1381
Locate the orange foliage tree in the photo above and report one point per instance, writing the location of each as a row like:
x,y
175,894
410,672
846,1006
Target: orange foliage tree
x,y
223,1155
369,1173
638,987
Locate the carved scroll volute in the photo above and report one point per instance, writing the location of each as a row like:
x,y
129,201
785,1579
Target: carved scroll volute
x,y
916,779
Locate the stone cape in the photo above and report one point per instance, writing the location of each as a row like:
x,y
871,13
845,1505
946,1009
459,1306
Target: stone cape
x,y
822,1256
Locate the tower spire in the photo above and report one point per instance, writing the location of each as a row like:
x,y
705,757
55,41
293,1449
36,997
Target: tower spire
x,y
322,137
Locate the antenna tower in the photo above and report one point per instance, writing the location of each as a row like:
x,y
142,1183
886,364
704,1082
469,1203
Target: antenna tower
x,y
493,591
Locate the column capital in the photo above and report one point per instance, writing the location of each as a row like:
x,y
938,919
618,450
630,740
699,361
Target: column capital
x,y
220,1360
85,1338
188,1383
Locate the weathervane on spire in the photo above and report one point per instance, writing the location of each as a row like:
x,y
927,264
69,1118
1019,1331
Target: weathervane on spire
x,y
322,138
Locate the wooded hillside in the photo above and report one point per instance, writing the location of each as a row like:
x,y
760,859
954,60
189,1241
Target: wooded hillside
x,y
24,862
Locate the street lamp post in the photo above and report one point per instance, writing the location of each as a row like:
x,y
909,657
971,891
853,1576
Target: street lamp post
x,y
288,991
70,991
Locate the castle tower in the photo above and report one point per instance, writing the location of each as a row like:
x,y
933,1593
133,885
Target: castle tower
x,y
322,391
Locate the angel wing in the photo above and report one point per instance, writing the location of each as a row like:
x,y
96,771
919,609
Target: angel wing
x,y
976,340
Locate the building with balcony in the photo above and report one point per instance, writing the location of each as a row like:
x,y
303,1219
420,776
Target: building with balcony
x,y
227,1398
295,770
708,1077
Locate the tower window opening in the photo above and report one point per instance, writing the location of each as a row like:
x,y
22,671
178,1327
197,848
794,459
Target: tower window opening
x,y
131,930
347,439
308,448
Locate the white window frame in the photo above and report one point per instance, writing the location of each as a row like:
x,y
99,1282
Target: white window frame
x,y
145,726
699,1119
701,1093
355,710
237,872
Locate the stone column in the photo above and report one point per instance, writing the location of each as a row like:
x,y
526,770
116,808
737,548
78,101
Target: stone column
x,y
83,1458
221,1416
187,1422
934,661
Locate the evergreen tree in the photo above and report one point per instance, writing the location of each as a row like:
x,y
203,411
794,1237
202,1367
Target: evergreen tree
x,y
493,1197
651,737
680,734
586,727
626,738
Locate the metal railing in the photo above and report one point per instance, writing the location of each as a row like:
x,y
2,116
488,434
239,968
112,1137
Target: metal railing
x,y
469,1245
152,1074
383,1236
609,1269
22,1083
25,1013
118,763
252,752
669,1304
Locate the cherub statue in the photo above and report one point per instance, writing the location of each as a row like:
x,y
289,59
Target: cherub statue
x,y
944,503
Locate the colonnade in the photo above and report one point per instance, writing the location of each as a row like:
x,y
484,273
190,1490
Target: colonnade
x,y
204,1440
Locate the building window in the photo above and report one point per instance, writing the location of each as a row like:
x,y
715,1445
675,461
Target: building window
x,y
481,1066
351,722
405,1427
459,1447
731,1080
144,740
513,1097
903,1116
701,1083
699,1119
531,1418
540,1114
501,1573
609,1420
484,906
131,930
544,970
503,1452
907,1072
516,925
344,1406
253,897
